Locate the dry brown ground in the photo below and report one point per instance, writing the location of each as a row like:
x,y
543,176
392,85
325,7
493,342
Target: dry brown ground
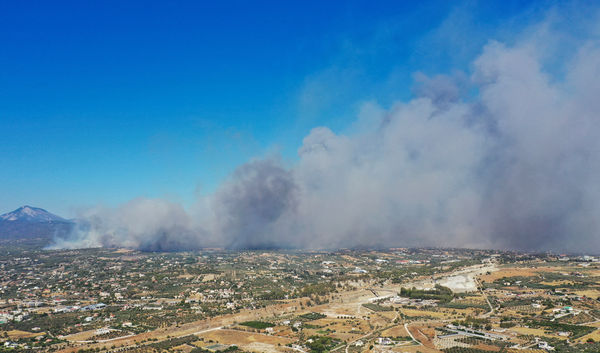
x,y
414,349
423,334
591,293
486,347
80,336
595,335
16,334
418,312
345,329
557,283
512,272
242,338
534,332
396,331
183,348
523,272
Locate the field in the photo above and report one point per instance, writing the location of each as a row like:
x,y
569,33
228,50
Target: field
x,y
396,331
509,272
254,342
16,334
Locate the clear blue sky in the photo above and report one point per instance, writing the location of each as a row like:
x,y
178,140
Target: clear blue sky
x,y
104,101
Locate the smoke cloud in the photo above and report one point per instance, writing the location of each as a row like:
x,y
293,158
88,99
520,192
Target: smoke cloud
x,y
505,157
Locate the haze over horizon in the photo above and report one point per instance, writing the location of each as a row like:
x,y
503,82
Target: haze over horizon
x,y
168,127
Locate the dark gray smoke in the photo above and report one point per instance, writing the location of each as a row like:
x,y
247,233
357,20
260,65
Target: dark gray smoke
x,y
515,165
251,205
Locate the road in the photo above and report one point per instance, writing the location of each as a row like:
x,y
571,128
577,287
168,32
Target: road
x,y
486,299
106,340
411,335
208,330
366,335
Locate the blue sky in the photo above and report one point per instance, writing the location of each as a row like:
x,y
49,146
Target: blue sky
x,y
101,102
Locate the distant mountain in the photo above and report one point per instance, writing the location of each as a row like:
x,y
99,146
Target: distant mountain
x,y
32,222
31,214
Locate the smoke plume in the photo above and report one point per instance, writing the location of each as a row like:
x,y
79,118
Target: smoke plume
x,y
507,156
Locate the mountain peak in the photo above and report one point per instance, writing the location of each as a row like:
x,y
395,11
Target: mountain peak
x,y
31,214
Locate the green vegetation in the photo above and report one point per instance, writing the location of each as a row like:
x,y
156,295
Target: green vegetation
x,y
316,289
576,330
321,344
377,307
173,342
228,349
261,325
454,305
441,293
464,350
311,316
473,322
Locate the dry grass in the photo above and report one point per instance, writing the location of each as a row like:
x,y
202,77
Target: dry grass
x,y
16,334
182,348
592,293
557,283
80,336
242,338
418,312
534,332
595,335
396,331
510,272
423,334
487,347
414,349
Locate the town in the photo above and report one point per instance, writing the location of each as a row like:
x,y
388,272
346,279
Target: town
x,y
389,300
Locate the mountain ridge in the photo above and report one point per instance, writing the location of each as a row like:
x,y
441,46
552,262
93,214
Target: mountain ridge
x,y
31,214
27,222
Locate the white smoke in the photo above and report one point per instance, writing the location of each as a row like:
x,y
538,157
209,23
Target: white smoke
x,y
148,224
514,165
